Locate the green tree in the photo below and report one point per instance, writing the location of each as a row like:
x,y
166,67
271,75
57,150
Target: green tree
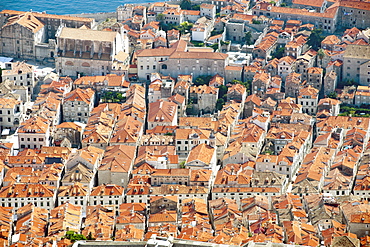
x,y
214,46
197,43
185,4
216,32
248,38
202,80
195,7
283,5
71,235
219,104
225,42
182,164
320,55
185,27
236,82
222,91
333,95
189,107
279,52
160,17
315,38
119,97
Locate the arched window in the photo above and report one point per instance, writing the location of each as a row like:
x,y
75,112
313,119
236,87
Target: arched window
x,y
69,63
85,64
164,66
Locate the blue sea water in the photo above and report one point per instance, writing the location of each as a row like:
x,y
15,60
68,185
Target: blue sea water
x,y
67,6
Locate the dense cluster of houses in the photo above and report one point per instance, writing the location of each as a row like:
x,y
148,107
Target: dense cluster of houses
x,y
140,134
258,170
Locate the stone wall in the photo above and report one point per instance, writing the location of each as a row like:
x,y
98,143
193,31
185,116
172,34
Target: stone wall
x,y
102,16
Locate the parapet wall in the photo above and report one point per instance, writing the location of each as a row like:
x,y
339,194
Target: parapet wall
x,y
97,16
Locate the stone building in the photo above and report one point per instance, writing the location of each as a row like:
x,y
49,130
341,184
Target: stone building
x,y
251,102
171,176
318,6
21,74
195,63
160,203
19,36
149,60
237,92
38,32
362,96
87,52
202,156
78,105
305,61
75,194
204,98
292,84
233,73
187,139
116,165
332,106
308,98
260,82
353,14
208,10
285,66
34,133
347,96
110,195
162,113
11,113
314,77
68,131
51,22
330,82
20,194
327,20
183,85
173,16
235,31
124,12
356,64
202,29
